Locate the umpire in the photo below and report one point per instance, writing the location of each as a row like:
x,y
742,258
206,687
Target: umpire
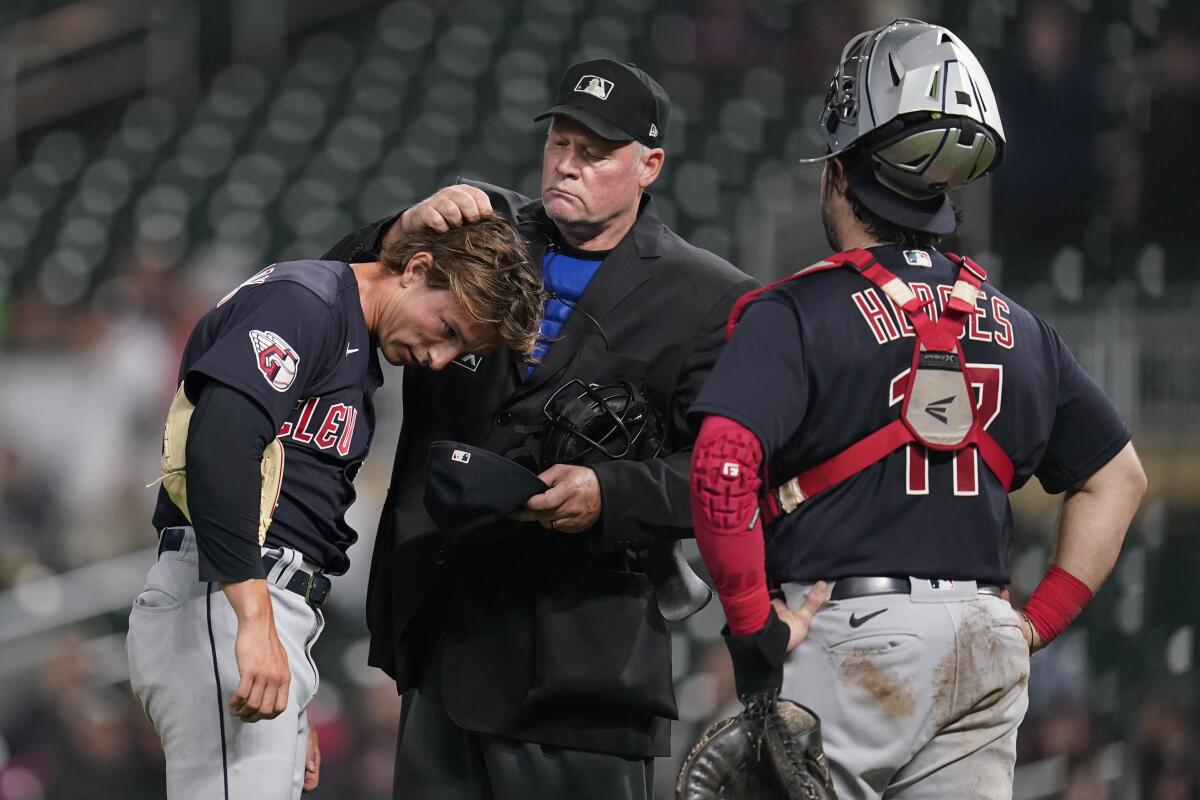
x,y
532,655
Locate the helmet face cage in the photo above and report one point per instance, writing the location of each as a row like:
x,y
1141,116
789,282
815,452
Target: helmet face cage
x,y
841,99
915,100
591,423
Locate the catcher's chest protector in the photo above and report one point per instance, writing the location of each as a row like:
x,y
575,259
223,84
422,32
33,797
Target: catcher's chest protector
x,y
938,410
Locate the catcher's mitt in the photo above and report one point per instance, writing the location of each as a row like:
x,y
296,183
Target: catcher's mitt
x,y
772,754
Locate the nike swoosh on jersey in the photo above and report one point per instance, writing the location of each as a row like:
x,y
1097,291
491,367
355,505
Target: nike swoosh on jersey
x,y
350,349
855,621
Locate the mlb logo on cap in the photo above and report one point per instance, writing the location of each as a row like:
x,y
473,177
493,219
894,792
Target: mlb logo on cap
x,y
595,86
461,456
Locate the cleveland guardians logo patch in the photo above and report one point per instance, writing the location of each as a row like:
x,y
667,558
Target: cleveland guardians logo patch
x,y
595,86
275,358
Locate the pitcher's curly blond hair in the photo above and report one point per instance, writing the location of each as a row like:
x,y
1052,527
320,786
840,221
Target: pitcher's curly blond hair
x,y
486,267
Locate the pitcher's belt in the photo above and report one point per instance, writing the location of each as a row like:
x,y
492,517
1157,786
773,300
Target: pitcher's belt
x,y
312,586
846,588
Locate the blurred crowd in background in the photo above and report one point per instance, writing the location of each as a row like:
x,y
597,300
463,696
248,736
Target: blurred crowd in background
x,y
154,153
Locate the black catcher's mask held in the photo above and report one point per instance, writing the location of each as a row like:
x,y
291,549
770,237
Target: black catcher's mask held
x,y
590,423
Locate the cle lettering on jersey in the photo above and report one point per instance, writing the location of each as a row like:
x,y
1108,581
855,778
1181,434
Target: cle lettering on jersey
x,y
336,430
888,323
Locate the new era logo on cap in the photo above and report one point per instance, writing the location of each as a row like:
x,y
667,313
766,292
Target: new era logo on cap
x,y
461,456
595,86
653,131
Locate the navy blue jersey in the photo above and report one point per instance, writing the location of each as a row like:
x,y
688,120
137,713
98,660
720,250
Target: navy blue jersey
x,y
293,339
815,365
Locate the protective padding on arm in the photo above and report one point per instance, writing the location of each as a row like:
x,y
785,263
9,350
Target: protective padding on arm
x,y
724,496
174,464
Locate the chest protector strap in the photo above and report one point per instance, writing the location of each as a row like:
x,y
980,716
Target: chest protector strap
x,y
938,411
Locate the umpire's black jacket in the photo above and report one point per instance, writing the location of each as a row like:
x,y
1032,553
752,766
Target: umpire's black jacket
x,y
545,636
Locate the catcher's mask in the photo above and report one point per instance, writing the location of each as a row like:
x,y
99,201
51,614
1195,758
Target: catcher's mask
x,y
590,423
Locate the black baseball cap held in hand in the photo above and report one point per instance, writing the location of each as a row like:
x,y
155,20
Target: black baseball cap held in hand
x,y
617,101
469,487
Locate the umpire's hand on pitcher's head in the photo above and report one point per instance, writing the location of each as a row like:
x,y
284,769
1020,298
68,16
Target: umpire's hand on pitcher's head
x,y
446,208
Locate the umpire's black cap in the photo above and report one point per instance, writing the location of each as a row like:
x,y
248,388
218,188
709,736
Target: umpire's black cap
x,y
469,487
617,101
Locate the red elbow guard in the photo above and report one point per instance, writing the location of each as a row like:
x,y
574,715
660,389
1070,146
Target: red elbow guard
x,y
1056,601
724,499
725,464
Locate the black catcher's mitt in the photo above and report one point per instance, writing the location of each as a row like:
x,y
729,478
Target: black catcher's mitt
x,y
771,753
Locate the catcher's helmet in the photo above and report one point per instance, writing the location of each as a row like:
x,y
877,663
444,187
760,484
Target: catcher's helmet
x,y
590,423
912,103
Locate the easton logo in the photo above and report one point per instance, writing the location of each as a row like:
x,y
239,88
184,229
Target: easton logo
x,y
938,408
275,358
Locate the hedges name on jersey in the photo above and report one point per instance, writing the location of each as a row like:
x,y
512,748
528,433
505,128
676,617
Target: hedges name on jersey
x,y
836,334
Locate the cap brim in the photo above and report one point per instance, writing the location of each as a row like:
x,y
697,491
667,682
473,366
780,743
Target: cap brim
x,y
591,121
474,493
935,215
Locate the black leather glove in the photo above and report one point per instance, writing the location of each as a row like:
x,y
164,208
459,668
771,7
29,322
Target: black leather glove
x,y
773,756
758,662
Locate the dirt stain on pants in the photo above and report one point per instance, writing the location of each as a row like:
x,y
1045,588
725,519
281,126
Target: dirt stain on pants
x,y
893,698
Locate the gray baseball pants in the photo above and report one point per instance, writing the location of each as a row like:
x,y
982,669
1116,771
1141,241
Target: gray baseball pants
x,y
920,697
183,670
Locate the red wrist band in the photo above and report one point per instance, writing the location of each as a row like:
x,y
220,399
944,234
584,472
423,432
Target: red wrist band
x,y
1056,601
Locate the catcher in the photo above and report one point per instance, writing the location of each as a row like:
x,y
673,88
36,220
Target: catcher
x,y
882,404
